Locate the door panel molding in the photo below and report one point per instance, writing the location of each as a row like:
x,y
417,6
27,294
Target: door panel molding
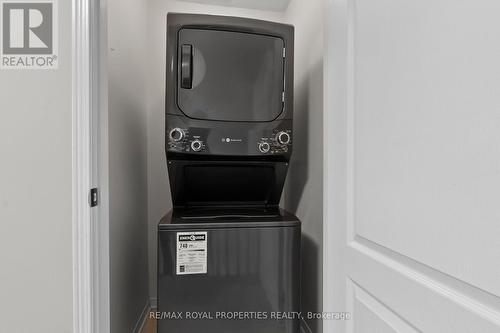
x,y
406,292
362,248
414,267
388,317
427,293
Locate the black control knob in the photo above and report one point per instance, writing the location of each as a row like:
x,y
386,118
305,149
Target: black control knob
x,y
176,134
283,138
196,145
264,147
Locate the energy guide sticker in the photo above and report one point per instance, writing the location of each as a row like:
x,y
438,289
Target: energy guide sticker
x,y
191,253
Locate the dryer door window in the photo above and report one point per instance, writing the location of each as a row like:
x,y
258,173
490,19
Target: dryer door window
x,y
230,76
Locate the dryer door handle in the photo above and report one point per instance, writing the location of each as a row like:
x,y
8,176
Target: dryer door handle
x,y
187,66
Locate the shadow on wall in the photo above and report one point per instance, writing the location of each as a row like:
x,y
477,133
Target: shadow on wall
x,y
304,191
127,202
308,100
298,172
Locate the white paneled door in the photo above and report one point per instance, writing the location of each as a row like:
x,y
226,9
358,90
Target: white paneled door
x,y
412,174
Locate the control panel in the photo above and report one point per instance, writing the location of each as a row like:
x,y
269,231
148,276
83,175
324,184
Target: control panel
x,y
277,143
189,141
190,136
181,140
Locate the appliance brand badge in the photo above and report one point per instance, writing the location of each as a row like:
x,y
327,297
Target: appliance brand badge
x,y
192,238
29,38
229,140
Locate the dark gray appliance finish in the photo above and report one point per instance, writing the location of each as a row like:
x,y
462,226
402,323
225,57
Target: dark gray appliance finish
x,y
226,182
258,139
253,265
227,247
234,76
229,86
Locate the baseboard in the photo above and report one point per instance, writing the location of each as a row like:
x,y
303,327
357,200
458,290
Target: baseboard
x,y
143,317
304,327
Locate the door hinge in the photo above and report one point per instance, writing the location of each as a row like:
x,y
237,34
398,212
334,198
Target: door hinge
x,y
94,197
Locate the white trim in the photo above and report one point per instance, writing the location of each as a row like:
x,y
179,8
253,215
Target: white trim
x,y
141,321
100,164
82,245
89,161
335,170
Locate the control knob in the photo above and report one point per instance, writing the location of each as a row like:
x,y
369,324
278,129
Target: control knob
x,y
283,138
264,147
176,134
196,145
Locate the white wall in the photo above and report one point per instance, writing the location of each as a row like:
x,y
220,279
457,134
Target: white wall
x,y
159,190
35,194
273,5
128,186
304,189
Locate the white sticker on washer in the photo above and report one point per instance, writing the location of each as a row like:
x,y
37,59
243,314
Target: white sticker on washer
x,y
191,253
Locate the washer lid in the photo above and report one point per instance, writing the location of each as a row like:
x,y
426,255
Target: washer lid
x,y
227,217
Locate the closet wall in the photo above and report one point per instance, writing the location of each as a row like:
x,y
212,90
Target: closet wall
x,y
128,155
139,185
36,273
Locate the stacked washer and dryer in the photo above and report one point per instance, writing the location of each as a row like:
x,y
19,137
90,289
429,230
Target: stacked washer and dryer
x,y
228,256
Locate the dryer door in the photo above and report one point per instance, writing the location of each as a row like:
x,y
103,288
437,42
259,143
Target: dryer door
x,y
230,76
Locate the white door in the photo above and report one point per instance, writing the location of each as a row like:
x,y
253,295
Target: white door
x,y
412,174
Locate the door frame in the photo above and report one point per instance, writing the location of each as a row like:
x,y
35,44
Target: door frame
x,y
91,290
337,156
91,307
